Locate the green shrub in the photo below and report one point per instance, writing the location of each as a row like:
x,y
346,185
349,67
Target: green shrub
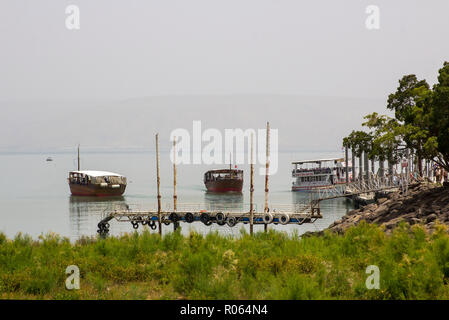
x,y
413,264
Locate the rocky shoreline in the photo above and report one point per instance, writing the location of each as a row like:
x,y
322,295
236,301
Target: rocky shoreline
x,y
424,204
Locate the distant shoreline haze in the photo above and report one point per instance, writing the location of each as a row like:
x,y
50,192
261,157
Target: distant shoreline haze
x,y
304,122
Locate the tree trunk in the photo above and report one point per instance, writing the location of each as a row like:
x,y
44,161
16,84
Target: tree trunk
x,y
353,165
366,166
419,165
390,168
360,168
381,168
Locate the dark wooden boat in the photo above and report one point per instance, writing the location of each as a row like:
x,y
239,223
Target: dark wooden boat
x,y
96,183
224,180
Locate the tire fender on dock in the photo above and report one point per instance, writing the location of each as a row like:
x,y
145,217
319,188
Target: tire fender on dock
x,y
284,218
221,218
267,218
231,221
189,218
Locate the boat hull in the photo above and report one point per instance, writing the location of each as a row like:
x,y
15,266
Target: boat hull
x,y
312,188
224,186
94,190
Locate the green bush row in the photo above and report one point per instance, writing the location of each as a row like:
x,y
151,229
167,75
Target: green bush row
x,y
412,263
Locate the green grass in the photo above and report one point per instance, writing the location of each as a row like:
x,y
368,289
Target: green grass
x,y
413,265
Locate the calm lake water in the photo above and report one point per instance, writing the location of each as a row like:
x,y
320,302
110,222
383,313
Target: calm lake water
x,y
35,197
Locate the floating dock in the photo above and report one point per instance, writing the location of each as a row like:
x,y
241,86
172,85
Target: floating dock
x,y
231,219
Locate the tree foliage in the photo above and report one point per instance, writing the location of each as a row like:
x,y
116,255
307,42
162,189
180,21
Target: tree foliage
x,y
421,122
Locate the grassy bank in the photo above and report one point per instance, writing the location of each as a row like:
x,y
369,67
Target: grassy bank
x,y
412,263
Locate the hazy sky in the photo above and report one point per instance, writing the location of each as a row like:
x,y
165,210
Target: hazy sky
x,y
143,48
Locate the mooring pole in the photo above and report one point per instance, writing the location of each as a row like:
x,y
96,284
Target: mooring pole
x,y
175,197
347,165
158,185
78,157
267,170
251,189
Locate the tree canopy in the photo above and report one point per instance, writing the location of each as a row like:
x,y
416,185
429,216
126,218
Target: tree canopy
x,y
421,123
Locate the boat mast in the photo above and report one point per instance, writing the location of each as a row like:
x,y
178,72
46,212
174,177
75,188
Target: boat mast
x,y
78,157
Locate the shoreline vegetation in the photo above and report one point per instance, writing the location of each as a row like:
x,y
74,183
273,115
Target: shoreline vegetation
x,y
413,262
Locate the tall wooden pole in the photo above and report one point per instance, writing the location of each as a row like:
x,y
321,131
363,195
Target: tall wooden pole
x,y
158,186
175,197
267,170
79,166
251,189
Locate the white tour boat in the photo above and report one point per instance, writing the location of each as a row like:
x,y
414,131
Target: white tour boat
x,y
310,175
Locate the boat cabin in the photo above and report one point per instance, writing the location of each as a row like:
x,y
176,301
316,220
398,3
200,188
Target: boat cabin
x,y
223,174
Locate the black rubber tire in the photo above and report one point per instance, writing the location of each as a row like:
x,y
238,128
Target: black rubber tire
x,y
135,225
165,220
189,218
174,217
231,221
220,218
205,218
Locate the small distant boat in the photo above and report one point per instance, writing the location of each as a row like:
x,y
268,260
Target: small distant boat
x,y
312,175
95,183
224,180
49,159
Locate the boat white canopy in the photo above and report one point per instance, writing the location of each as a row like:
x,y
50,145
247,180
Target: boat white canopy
x,y
319,160
95,173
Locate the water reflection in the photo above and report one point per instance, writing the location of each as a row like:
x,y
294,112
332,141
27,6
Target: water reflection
x,y
331,210
86,212
224,201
